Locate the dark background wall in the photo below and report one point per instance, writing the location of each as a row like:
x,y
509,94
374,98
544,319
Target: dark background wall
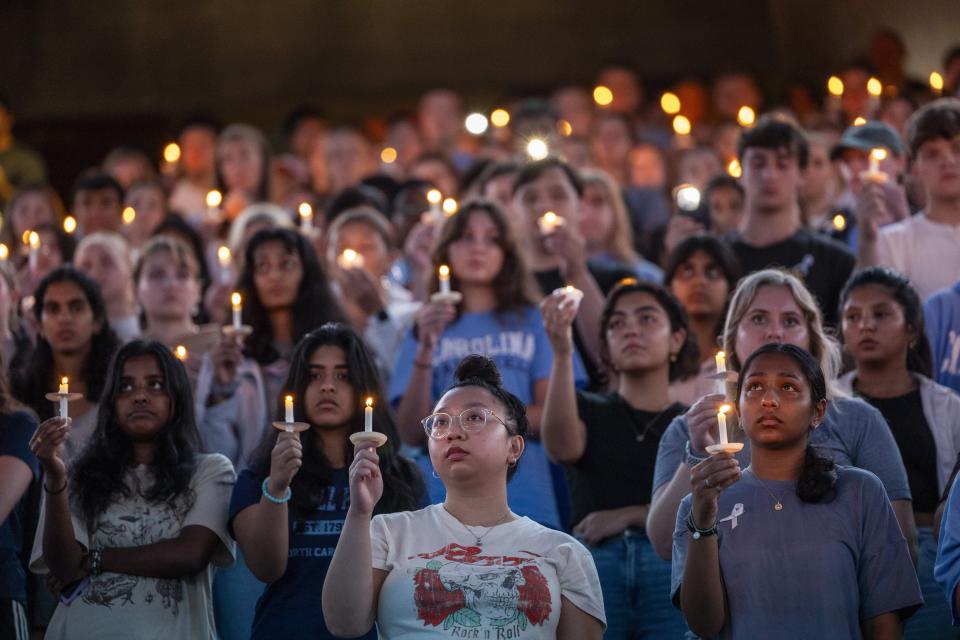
x,y
86,75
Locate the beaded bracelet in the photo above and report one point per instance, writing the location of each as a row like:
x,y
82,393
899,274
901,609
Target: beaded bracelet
x,y
96,562
266,494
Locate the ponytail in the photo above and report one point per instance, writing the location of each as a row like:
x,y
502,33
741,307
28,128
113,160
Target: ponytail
x,y
818,478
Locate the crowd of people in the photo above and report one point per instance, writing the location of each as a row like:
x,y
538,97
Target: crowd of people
x,y
645,370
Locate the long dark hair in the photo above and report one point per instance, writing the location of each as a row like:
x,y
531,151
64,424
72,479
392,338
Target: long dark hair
x,y
513,286
403,487
687,361
37,378
919,357
98,475
480,371
818,476
314,305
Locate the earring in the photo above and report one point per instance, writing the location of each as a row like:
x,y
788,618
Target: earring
x,y
673,357
434,474
511,464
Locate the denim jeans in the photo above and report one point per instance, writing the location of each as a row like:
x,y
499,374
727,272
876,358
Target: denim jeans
x,y
933,619
636,589
235,594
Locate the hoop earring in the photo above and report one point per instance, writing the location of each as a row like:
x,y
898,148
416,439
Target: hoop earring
x,y
433,472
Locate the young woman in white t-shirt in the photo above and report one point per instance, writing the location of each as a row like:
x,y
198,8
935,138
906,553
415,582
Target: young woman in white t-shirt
x,y
468,567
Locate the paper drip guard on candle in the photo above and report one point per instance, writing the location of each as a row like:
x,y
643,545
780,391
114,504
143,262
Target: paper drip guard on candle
x,y
62,397
368,434
572,295
874,174
724,446
289,425
445,295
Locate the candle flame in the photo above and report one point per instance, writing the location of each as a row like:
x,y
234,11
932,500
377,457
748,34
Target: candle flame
x,y
64,380
180,352
839,222
305,210
550,217
724,408
33,239
878,154
859,121
734,168
171,152
450,206
288,398
746,116
537,149
235,299
444,271
476,124
69,224
223,255
129,215
602,95
369,402
565,128
500,117
681,125
936,81
4,252
388,155
874,87
835,86
214,198
434,196
670,103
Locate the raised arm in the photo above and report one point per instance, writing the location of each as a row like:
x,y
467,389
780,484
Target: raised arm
x,y
351,588
562,432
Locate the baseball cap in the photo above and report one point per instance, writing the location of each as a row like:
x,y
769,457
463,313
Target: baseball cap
x,y
869,136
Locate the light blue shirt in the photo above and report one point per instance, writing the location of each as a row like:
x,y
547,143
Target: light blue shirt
x,y
941,313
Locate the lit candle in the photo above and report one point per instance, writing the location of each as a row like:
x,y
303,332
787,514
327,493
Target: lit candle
x,y
306,216
734,168
835,89
171,155
500,118
537,149
129,215
288,409
444,279
225,258
874,174
602,95
549,222
936,83
682,129
236,301
350,259
214,198
450,207
388,155
368,416
63,392
875,89
746,116
69,224
181,352
722,419
434,197
670,103
839,222
4,252
721,359
721,385
33,239
572,296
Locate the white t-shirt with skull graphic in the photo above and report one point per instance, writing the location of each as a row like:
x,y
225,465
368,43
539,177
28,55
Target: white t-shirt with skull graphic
x,y
441,584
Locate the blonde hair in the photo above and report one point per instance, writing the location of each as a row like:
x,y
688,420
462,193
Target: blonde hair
x,y
823,346
272,215
620,242
113,243
177,249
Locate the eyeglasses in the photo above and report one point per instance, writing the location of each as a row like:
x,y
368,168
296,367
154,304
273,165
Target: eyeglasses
x,y
472,420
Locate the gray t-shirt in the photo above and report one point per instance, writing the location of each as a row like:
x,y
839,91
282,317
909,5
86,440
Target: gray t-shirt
x,y
852,434
809,570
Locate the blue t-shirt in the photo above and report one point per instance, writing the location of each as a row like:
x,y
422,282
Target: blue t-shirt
x,y
947,568
852,434
809,570
290,607
518,344
941,313
16,429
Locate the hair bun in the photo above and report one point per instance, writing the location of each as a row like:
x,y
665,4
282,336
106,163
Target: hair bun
x,y
479,367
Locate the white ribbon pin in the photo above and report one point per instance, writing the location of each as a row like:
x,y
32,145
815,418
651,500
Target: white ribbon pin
x,y
736,513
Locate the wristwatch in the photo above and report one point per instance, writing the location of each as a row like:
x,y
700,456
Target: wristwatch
x,y
690,458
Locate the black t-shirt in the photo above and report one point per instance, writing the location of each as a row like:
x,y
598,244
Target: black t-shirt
x,y
917,447
616,469
606,277
822,263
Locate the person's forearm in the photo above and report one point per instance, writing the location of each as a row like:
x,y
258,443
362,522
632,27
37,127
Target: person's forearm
x,y
415,403
62,553
562,437
263,536
348,604
186,555
884,627
588,317
866,253
663,511
701,593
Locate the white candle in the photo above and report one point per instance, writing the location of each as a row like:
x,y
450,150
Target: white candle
x,y
225,258
64,391
236,300
874,174
434,197
33,239
722,419
288,409
721,385
444,279
306,216
368,416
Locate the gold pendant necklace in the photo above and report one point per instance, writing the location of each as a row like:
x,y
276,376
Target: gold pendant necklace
x,y
779,505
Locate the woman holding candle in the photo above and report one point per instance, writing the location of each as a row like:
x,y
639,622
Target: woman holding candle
x,y
132,529
105,257
285,295
702,272
809,549
496,317
73,340
883,331
287,507
469,565
774,306
607,443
